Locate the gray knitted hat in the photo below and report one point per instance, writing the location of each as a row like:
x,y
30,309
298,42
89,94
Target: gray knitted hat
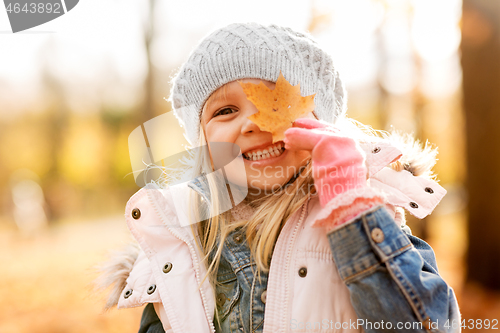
x,y
251,50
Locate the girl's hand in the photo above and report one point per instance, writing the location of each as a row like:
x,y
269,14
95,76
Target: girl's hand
x,y
339,167
338,161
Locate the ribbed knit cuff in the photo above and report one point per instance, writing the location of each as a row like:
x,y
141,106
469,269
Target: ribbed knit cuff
x,y
347,206
348,213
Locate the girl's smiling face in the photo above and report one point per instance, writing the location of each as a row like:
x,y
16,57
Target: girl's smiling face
x,y
225,119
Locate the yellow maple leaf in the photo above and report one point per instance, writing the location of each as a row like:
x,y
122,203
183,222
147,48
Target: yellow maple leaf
x,y
278,108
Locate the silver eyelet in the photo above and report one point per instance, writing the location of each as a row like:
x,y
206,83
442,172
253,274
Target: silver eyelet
x,y
128,293
151,289
167,267
376,150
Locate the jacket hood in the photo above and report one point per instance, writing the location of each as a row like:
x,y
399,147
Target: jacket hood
x,y
114,272
416,158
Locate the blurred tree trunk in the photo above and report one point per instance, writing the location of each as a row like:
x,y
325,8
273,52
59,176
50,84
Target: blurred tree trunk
x,y
419,102
57,120
149,83
481,88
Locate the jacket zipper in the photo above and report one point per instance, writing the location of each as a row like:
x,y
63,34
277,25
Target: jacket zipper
x,y
289,253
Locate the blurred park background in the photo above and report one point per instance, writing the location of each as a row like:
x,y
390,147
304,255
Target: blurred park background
x,y
72,91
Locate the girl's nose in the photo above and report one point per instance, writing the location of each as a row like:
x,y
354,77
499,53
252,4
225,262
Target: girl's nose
x,y
249,126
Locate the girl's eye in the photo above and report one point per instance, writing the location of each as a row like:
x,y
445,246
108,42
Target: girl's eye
x,y
224,111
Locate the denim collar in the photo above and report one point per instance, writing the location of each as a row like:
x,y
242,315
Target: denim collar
x,y
200,185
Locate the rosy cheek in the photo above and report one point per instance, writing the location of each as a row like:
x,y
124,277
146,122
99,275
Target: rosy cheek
x,y
211,133
224,133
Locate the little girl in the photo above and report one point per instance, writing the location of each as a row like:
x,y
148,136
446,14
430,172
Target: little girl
x,y
319,242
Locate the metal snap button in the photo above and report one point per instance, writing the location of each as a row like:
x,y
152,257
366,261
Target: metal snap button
x,y
136,213
378,235
167,267
303,271
429,190
238,239
151,289
128,293
221,299
413,205
376,150
263,296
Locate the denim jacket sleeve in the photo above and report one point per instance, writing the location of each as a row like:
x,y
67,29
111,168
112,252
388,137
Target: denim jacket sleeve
x,y
392,276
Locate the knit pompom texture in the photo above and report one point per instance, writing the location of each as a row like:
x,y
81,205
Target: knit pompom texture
x,y
252,50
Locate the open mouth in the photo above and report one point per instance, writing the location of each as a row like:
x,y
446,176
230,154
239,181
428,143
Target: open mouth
x,y
273,150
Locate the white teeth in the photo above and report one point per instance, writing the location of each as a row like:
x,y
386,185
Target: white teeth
x,y
273,151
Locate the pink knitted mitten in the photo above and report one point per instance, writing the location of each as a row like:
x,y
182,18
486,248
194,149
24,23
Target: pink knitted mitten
x,y
339,170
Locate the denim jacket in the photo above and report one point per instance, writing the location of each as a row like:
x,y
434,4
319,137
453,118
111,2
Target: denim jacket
x,y
241,297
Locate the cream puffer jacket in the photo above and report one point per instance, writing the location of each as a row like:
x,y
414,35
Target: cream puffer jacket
x,y
167,269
